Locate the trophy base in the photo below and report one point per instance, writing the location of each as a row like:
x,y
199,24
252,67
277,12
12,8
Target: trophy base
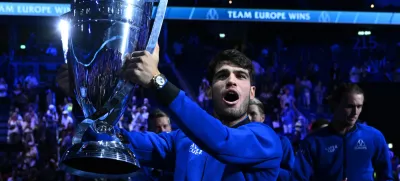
x,y
100,159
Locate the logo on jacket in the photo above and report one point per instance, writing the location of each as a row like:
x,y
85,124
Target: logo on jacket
x,y
195,150
331,149
360,145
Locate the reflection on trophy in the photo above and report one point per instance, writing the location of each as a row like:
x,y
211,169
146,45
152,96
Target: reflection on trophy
x,y
96,36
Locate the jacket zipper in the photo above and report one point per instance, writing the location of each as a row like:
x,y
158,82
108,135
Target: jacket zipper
x,y
344,158
204,168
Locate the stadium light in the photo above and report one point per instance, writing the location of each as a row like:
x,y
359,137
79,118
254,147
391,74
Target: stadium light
x,y
364,33
63,27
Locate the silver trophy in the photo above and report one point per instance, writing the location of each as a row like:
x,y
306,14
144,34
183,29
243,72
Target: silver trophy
x,y
96,36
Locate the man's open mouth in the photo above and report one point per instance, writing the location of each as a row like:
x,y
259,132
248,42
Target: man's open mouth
x,y
231,97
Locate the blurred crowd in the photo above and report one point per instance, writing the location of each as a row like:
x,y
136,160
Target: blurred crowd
x,y
41,137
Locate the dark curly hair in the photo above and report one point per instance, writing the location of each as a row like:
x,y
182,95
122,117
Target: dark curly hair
x,y
233,57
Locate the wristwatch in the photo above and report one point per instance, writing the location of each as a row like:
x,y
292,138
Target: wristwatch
x,y
159,81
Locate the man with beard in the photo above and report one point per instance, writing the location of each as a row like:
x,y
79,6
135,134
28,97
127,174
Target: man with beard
x,y
345,149
256,114
224,147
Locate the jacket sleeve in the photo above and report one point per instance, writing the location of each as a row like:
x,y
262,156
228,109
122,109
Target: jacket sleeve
x,y
151,149
288,159
382,161
253,145
303,167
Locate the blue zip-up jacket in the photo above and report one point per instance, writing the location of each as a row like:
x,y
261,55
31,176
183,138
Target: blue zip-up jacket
x,y
327,156
205,149
288,158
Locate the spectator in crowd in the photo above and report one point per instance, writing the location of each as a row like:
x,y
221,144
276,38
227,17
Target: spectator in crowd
x,y
203,98
288,117
31,155
133,102
14,125
19,80
287,98
319,91
335,73
300,128
146,103
51,50
52,113
139,123
31,81
19,98
355,74
50,97
66,120
159,122
256,111
134,114
31,117
66,139
3,88
306,89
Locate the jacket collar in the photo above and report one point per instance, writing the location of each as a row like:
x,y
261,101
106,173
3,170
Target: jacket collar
x,y
353,129
241,123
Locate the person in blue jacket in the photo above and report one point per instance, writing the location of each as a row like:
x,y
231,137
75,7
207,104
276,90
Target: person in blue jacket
x,y
256,114
158,122
345,149
224,147
207,148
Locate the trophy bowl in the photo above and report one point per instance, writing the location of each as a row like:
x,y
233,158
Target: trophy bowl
x,y
96,36
101,159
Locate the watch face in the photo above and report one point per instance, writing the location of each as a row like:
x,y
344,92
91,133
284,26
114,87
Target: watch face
x,y
160,80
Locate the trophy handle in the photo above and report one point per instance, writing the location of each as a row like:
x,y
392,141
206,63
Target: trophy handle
x,y
157,25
